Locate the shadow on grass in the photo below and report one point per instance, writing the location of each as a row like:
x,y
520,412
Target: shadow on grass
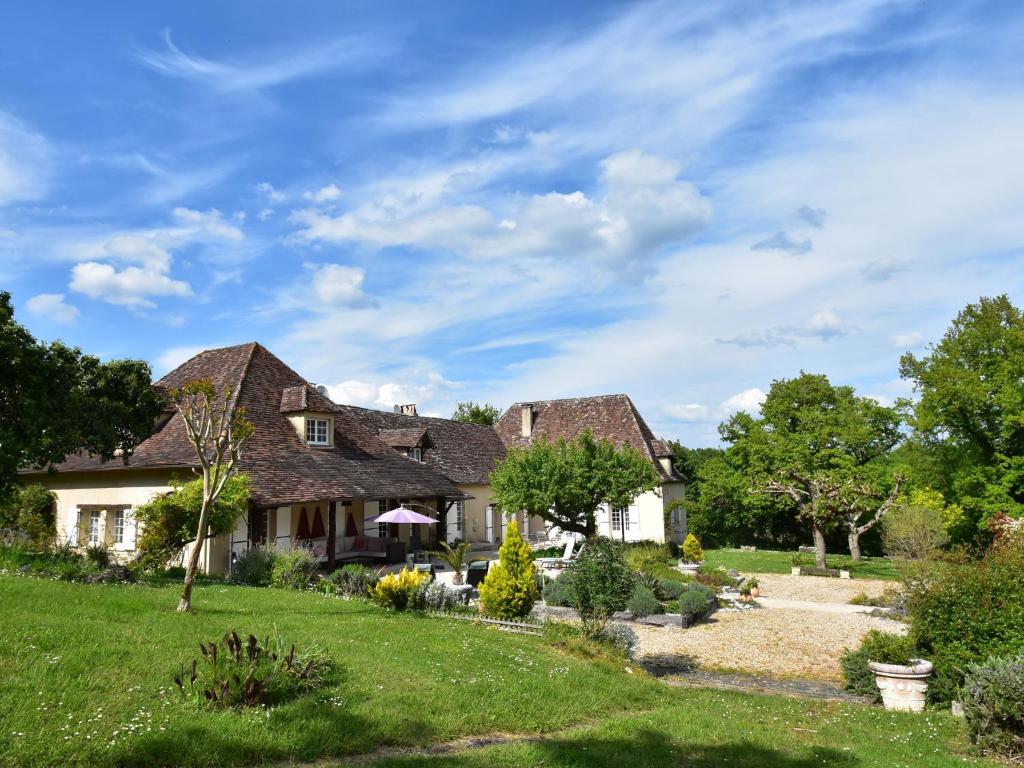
x,y
648,748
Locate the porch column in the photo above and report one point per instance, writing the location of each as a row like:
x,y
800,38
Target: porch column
x,y
442,520
332,534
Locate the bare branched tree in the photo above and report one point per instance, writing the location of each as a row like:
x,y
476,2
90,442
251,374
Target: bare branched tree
x,y
216,430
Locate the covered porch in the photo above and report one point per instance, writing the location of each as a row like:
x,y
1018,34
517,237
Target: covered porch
x,y
349,523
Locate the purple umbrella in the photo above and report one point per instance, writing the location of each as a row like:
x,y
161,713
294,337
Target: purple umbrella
x,y
404,515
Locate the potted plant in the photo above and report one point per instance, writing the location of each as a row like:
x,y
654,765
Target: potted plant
x,y
903,685
693,555
745,594
454,556
754,587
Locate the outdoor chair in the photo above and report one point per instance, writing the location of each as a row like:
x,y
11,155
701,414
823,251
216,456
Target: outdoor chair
x,y
559,562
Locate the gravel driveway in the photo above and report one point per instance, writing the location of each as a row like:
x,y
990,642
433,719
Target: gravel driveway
x,y
777,642
819,589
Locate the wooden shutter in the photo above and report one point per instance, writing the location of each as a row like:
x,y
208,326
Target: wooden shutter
x,y
74,535
129,535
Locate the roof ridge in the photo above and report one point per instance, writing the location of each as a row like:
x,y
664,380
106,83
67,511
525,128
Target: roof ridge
x,y
254,345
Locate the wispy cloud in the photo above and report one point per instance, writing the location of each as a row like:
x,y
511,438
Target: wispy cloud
x,y
25,158
267,68
51,306
782,241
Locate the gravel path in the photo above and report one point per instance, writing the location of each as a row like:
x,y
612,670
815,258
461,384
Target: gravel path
x,y
776,642
819,589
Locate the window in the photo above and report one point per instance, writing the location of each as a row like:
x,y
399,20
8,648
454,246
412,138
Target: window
x,y
94,528
118,528
316,431
460,515
417,454
620,518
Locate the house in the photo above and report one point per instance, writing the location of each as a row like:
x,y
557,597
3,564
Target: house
x,y
319,468
652,515
312,467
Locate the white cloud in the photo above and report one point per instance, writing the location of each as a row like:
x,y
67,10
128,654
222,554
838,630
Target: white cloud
x,y
826,324
268,192
419,387
145,258
749,400
880,270
783,241
337,284
265,213
267,68
52,306
687,411
327,194
128,287
645,206
906,340
24,161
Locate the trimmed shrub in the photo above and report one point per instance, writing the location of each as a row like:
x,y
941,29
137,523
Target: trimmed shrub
x,y
559,591
969,611
696,603
877,646
692,551
352,579
671,590
993,698
293,568
602,583
255,566
437,597
643,602
399,591
510,588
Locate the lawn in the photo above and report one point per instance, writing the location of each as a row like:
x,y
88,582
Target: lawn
x,y
87,680
771,561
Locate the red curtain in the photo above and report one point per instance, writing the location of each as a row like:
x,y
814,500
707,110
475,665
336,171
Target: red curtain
x,y
318,531
350,526
303,532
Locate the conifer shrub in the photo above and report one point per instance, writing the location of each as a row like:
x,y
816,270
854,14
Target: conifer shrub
x,y
692,551
510,588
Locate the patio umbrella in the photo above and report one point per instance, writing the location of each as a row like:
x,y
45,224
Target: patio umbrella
x,y
404,515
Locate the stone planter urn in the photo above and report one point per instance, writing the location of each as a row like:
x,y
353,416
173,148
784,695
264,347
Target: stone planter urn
x,y
690,568
903,686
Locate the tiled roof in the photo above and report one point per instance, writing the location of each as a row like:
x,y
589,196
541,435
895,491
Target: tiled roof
x,y
464,453
304,397
408,437
606,416
281,467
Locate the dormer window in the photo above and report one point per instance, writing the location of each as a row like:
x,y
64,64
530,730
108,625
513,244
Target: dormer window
x,y
317,432
416,454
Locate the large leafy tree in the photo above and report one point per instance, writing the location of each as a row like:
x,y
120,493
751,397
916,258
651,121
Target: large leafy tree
x,y
814,446
565,482
970,414
484,414
55,401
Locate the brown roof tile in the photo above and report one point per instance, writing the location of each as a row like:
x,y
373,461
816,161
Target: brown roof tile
x,y
606,416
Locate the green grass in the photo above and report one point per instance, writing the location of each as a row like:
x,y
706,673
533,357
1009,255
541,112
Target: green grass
x,y
87,673
770,561
718,729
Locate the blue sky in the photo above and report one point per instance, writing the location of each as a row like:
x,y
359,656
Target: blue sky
x,y
439,202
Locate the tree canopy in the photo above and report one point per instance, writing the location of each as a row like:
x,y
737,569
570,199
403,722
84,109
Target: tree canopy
x,y
55,401
476,413
969,418
565,482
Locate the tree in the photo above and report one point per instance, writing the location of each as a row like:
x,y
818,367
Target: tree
x,y
217,430
510,588
811,446
55,401
170,521
31,512
916,529
567,481
859,508
475,413
970,411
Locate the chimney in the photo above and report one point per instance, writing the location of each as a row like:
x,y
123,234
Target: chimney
x,y
406,410
527,417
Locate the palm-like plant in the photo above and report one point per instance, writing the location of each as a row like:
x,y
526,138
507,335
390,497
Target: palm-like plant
x,y
455,557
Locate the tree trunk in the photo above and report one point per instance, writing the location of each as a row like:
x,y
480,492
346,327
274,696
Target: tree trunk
x,y
854,539
819,545
185,604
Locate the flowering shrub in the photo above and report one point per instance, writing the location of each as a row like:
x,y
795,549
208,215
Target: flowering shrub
x,y
692,551
236,674
398,591
510,588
